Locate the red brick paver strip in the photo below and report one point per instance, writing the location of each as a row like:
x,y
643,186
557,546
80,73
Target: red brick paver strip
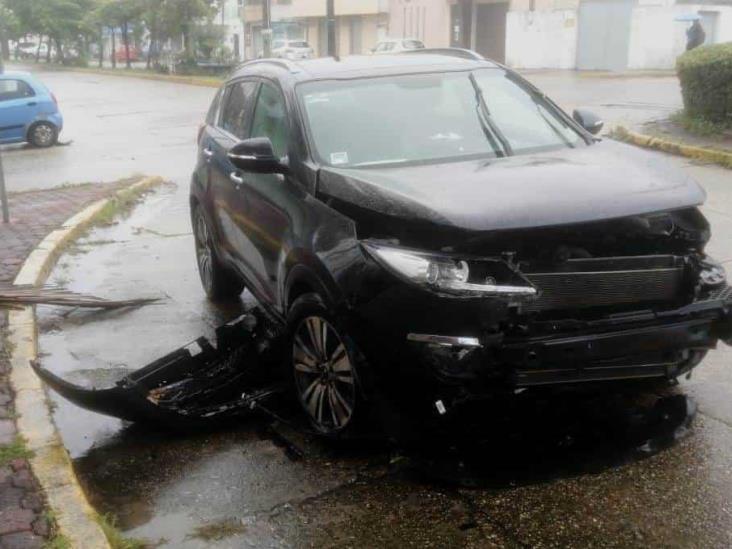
x,y
33,215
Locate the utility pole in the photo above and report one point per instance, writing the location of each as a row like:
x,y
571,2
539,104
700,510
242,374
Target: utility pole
x,y
4,194
267,30
330,23
2,47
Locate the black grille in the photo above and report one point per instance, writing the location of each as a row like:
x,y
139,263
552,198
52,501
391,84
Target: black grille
x,y
583,288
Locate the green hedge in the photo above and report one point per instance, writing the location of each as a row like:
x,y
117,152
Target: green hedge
x,y
706,82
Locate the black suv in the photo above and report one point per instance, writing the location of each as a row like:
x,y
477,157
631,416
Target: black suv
x,y
435,222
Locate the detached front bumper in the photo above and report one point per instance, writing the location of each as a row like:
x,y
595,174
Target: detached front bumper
x,y
630,346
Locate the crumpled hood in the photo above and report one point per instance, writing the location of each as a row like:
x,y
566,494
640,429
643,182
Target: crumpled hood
x,y
604,181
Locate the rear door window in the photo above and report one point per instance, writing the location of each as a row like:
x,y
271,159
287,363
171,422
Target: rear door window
x,y
14,89
236,114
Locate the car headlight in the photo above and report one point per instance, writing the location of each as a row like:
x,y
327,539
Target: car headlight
x,y
482,277
712,273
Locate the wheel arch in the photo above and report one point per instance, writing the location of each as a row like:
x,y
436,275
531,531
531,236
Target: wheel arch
x,y
309,277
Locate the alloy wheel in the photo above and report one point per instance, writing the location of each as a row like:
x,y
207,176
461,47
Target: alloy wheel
x,y
324,375
204,255
43,135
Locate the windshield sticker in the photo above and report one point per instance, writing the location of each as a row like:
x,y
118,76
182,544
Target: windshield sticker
x,y
319,98
339,158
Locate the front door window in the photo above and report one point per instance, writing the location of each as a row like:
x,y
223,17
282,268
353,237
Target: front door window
x,y
270,119
234,117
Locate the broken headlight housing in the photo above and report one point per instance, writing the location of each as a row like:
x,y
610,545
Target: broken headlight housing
x,y
446,274
712,273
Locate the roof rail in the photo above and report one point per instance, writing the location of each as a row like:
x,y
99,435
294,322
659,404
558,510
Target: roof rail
x,y
284,63
462,53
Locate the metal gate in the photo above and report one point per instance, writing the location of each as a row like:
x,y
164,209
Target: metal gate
x,y
490,30
604,34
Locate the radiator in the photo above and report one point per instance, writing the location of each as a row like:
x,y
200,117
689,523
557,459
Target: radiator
x,y
602,282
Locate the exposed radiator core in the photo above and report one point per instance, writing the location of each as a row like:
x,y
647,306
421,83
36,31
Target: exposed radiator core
x,y
602,282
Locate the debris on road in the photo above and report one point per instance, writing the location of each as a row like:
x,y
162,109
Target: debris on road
x,y
239,375
199,382
14,297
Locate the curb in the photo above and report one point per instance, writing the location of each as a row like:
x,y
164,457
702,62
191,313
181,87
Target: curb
x,y
50,463
715,156
189,80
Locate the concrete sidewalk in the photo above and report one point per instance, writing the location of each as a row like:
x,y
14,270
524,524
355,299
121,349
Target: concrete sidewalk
x,y
23,519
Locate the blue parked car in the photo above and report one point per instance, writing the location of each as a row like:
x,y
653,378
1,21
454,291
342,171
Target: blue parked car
x,y
28,111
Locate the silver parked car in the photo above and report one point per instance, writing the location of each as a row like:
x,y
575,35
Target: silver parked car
x,y
292,49
397,45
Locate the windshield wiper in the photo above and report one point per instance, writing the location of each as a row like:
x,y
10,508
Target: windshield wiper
x,y
490,129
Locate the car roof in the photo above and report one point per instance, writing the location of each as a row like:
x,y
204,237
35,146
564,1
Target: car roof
x,y
360,66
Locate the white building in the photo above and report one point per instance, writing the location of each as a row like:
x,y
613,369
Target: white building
x,y
610,34
564,34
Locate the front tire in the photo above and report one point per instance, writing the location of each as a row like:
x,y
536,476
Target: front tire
x,y
218,282
323,361
43,135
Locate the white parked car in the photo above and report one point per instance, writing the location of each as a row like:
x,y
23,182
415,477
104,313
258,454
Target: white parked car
x,y
28,50
292,49
397,45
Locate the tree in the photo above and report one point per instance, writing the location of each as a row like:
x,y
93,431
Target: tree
x,y
120,14
93,21
151,15
180,18
65,23
9,30
15,23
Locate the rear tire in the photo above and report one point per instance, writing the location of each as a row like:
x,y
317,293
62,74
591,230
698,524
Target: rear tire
x,y
218,282
324,364
43,135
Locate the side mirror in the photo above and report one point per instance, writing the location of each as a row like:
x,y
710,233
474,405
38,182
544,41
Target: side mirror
x,y
256,155
588,120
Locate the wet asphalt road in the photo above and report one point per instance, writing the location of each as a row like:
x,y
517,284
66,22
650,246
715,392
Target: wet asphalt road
x,y
254,485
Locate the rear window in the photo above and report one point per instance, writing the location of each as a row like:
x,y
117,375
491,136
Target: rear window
x,y
299,44
413,45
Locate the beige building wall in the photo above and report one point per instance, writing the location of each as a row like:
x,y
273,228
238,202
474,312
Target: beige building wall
x,y
370,29
426,20
369,18
543,5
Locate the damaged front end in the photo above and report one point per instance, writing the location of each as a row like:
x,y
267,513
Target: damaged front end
x,y
625,299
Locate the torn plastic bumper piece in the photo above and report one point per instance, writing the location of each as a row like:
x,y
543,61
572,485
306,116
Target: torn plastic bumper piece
x,y
196,383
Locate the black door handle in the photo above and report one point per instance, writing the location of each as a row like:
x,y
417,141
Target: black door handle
x,y
32,104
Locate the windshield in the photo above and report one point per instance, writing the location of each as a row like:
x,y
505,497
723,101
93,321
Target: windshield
x,y
429,117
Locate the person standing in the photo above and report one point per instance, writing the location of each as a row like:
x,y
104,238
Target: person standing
x,y
695,35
